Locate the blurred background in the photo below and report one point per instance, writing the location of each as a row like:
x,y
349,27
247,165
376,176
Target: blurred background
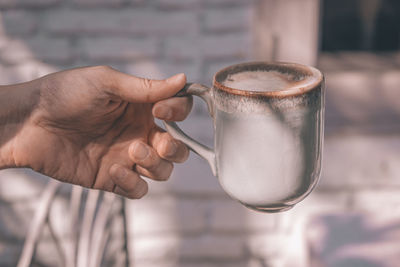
x,y
353,217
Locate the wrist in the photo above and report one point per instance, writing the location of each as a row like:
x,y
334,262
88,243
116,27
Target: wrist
x,y
17,103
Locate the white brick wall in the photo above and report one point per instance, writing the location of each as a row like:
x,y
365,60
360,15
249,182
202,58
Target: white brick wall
x,y
97,3
28,3
370,161
118,48
225,20
47,49
19,22
189,221
120,21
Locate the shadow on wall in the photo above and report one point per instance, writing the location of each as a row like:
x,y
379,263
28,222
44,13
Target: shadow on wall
x,y
362,91
350,240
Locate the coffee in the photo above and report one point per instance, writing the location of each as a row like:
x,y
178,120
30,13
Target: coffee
x,y
262,81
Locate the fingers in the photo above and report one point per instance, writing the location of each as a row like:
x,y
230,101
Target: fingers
x,y
167,147
134,89
148,162
127,182
153,162
173,109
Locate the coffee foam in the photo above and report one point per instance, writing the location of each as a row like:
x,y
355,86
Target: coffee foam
x,y
262,81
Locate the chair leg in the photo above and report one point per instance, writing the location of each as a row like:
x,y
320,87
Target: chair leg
x,y
126,235
38,222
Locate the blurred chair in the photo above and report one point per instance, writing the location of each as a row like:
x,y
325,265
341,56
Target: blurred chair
x,y
89,223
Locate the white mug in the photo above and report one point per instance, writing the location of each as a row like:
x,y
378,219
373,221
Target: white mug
x,y
267,144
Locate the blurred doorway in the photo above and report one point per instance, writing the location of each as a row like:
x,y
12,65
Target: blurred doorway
x,y
361,25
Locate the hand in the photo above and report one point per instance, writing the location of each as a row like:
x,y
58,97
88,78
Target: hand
x,y
95,127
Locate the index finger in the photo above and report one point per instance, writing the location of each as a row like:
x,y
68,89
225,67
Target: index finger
x,y
173,109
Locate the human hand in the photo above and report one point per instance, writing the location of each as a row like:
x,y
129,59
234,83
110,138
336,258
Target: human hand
x,y
95,127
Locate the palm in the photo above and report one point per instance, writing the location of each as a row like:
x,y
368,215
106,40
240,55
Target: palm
x,y
84,156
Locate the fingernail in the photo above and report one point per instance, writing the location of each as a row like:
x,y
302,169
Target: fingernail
x,y
140,150
119,172
171,148
175,78
163,112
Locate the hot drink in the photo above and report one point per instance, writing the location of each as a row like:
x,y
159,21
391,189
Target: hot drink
x,y
262,81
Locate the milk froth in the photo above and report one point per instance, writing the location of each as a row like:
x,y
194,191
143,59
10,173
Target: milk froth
x,y
262,81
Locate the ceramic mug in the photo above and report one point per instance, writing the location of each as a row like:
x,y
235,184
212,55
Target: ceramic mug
x,y
267,144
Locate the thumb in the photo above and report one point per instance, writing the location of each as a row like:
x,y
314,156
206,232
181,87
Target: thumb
x,y
143,90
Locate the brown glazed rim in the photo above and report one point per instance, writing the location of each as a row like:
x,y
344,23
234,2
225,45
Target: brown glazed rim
x,y
265,65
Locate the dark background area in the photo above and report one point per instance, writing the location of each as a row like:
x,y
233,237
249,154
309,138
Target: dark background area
x,y
344,28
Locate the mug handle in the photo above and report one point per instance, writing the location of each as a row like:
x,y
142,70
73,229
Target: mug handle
x,y
172,128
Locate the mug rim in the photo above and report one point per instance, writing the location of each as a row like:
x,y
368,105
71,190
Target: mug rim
x,y
291,91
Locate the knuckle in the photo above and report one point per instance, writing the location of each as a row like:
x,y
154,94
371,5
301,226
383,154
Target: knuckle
x,y
114,169
99,70
102,68
152,162
168,147
102,74
147,83
144,156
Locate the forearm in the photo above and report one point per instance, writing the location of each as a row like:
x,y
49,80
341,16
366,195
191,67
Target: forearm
x,y
16,105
